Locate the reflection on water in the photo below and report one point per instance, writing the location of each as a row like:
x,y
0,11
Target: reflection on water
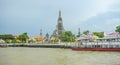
x,y
53,56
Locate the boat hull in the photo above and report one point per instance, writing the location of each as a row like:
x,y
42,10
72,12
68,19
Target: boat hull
x,y
96,49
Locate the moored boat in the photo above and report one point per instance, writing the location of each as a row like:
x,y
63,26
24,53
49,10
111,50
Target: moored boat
x,y
96,49
97,46
110,42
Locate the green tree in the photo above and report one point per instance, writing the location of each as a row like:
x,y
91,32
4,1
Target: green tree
x,y
9,41
118,29
23,37
68,37
78,36
86,32
15,41
99,34
7,36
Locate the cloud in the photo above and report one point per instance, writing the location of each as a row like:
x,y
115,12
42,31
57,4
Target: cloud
x,y
115,7
32,15
106,22
112,21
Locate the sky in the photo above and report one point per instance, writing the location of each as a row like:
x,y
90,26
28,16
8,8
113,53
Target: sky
x,y
19,16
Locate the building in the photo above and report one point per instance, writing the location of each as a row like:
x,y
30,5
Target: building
x,y
36,38
59,27
88,37
113,36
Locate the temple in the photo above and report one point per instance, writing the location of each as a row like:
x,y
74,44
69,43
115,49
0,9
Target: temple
x,y
59,27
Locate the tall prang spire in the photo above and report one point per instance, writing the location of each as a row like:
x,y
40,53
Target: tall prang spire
x,y
59,27
59,13
60,17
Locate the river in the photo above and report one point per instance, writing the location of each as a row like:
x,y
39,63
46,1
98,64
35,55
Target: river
x,y
56,56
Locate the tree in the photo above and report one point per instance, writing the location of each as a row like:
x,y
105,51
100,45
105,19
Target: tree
x,y
99,34
6,36
23,37
68,37
95,38
86,32
16,41
118,29
8,40
78,36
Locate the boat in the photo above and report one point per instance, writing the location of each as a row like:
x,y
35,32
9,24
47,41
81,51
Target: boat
x,y
110,42
97,47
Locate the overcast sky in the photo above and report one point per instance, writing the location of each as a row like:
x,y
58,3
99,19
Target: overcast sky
x,y
18,16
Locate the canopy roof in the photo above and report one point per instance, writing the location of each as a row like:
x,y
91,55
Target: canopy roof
x,y
83,37
114,35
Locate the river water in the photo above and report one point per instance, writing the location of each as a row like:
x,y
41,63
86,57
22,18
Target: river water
x,y
56,56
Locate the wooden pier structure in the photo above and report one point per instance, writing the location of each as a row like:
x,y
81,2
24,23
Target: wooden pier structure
x,y
36,45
